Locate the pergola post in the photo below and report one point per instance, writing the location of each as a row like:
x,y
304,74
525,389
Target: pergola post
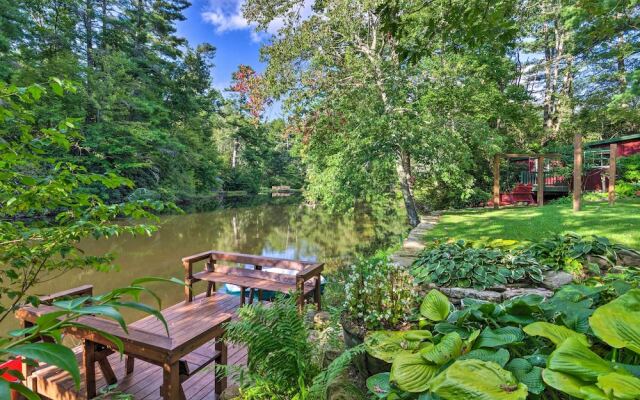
x,y
577,171
613,154
496,181
540,179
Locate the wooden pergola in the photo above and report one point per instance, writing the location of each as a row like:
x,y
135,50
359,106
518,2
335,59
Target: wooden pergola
x,y
578,156
540,177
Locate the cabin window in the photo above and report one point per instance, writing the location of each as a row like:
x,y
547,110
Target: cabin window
x,y
598,158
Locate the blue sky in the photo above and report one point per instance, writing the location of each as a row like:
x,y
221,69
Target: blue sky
x,y
219,23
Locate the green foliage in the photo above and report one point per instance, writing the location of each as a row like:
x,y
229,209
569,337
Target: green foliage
x,y
570,251
629,183
459,264
575,369
47,204
378,294
26,342
278,349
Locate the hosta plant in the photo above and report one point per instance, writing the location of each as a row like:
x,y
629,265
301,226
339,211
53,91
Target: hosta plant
x,y
460,264
579,369
449,363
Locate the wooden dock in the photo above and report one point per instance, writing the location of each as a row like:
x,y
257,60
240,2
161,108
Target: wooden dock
x,y
147,379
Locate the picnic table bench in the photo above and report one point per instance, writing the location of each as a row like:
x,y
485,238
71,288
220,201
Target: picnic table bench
x,y
305,279
181,354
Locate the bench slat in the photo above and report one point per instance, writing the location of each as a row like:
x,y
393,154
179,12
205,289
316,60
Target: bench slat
x,y
252,282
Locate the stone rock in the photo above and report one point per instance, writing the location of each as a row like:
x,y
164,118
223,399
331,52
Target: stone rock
x,y
555,279
321,319
461,293
511,293
629,259
402,261
231,392
497,288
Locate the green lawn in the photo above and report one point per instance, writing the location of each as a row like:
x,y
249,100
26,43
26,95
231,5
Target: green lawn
x,y
620,223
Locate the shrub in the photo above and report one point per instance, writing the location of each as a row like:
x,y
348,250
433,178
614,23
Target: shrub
x,y
459,264
379,295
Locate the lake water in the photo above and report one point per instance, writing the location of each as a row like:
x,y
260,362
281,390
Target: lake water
x,y
278,230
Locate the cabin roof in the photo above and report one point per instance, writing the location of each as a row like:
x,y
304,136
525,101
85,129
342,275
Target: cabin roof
x,y
614,140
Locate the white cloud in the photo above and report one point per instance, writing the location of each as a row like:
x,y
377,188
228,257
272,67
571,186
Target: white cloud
x,y
226,16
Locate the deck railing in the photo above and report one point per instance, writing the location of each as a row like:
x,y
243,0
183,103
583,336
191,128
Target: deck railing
x,y
552,181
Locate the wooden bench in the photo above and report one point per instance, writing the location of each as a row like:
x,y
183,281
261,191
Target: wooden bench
x,y
181,354
305,280
522,194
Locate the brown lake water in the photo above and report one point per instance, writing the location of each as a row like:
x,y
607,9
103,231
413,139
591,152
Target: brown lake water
x,y
278,230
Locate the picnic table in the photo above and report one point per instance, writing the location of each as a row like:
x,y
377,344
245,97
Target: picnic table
x,y
191,325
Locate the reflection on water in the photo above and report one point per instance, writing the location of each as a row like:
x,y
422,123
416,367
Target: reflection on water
x,y
288,231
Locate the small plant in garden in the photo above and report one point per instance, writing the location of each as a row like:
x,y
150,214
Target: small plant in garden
x,y
379,294
570,252
574,344
459,264
283,360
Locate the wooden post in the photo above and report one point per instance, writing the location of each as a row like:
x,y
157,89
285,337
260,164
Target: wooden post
x,y
613,150
540,179
89,366
496,181
577,171
221,377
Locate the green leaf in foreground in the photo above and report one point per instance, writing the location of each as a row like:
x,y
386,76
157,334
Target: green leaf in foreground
x,y
379,385
619,386
478,380
555,333
572,385
574,358
616,322
411,373
500,356
385,345
499,337
435,306
50,353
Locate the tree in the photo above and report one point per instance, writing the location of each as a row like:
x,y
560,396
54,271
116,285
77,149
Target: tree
x,y
353,73
47,205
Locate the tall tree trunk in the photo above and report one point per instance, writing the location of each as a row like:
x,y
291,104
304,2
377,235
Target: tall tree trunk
x,y
577,172
234,152
90,115
622,70
548,90
105,27
404,177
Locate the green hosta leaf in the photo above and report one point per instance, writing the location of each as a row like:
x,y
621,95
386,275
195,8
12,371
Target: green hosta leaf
x,y
526,373
447,327
386,344
450,347
479,380
435,306
571,385
556,333
500,356
379,385
499,337
616,322
574,358
412,373
50,353
619,386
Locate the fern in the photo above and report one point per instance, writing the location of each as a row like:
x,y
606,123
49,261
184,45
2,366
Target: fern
x,y
278,349
323,381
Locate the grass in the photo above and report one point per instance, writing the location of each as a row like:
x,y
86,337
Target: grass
x,y
620,223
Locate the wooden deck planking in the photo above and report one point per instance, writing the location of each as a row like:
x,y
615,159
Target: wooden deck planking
x,y
146,380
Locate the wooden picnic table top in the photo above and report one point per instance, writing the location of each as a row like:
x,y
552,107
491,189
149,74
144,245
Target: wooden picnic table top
x,y
190,326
